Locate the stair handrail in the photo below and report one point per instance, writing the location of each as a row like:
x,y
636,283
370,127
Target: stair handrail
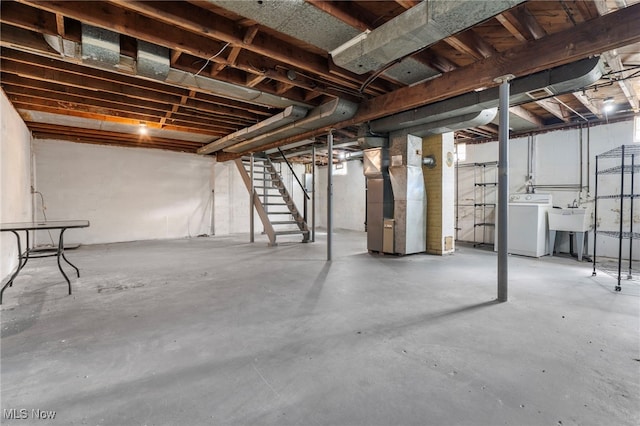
x,y
294,174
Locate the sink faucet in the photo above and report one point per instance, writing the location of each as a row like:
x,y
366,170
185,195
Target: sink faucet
x,y
574,205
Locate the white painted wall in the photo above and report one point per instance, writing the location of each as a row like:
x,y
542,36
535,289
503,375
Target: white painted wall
x,y
231,214
349,197
15,180
126,193
556,162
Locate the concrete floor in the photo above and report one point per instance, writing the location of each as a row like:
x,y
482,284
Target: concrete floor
x,y
218,331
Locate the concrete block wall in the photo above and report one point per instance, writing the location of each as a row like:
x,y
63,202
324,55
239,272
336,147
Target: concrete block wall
x,y
16,201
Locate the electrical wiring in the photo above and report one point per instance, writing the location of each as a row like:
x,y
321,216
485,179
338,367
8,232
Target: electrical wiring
x,y
213,56
44,214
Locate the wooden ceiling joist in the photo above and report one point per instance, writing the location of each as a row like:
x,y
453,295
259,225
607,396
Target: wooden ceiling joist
x,y
606,33
470,43
192,29
555,108
586,102
72,75
526,115
590,38
334,9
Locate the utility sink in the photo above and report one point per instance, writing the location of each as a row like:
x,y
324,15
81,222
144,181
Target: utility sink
x,y
569,219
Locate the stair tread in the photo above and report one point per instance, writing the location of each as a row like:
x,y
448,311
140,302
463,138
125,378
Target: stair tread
x,y
291,232
284,222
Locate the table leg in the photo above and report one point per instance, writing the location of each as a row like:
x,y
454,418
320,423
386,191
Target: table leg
x,y
18,268
26,252
61,253
67,260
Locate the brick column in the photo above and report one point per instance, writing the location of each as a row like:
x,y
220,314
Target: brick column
x,y
440,187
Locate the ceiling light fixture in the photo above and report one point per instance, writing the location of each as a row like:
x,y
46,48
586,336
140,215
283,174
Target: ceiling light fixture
x,y
357,39
143,130
608,105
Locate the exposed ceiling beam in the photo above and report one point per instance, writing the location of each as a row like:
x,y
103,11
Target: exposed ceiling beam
x,y
615,63
584,100
526,115
524,23
608,32
235,50
195,20
102,137
60,25
472,44
554,108
407,4
509,26
437,62
334,10
587,9
195,45
58,72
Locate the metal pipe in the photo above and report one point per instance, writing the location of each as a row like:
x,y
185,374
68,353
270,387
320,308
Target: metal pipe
x,y
251,200
429,161
329,193
588,157
503,190
313,193
570,109
581,161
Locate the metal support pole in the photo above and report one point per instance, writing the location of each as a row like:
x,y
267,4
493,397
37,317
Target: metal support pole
x,y
251,201
595,216
503,189
621,219
313,193
329,193
633,164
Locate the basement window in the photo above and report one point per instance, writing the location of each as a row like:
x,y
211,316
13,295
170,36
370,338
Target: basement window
x,y
340,169
461,152
636,129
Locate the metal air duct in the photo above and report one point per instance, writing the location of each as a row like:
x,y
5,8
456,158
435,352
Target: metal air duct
x,y
100,47
424,24
557,80
289,115
153,61
323,115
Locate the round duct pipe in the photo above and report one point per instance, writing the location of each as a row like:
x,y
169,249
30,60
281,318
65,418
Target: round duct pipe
x,y
429,161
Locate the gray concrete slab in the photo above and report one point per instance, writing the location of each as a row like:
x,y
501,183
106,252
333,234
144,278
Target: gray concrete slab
x,y
219,331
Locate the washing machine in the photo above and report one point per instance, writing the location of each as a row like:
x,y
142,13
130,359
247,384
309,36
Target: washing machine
x,y
529,224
